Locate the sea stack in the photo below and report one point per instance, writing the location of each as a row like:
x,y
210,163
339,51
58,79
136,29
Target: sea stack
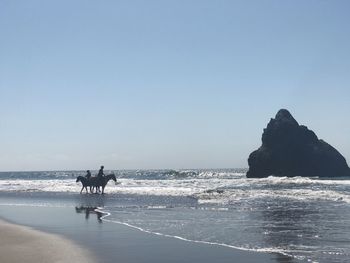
x,y
290,149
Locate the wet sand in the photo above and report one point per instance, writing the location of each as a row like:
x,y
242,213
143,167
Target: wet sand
x,y
107,242
23,244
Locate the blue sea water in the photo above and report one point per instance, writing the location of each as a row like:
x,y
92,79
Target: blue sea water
x,y
307,219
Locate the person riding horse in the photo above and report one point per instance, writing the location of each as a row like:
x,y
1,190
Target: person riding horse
x,y
93,182
100,173
100,176
88,174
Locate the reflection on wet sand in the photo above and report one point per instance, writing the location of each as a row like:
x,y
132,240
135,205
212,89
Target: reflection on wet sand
x,y
88,211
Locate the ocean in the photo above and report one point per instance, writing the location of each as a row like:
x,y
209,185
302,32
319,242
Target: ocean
x,y
306,219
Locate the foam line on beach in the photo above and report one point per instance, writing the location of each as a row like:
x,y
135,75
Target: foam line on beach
x,y
260,250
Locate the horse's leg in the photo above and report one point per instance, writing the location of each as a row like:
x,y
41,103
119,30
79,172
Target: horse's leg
x,y
86,191
82,189
103,190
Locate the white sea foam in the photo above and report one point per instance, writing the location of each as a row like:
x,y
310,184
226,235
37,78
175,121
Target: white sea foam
x,y
209,190
127,186
230,196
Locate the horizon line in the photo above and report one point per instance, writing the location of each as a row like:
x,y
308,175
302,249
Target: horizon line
x,y
124,169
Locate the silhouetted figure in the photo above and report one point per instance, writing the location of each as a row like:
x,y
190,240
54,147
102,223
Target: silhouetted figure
x,y
105,180
85,182
88,174
95,182
100,173
100,176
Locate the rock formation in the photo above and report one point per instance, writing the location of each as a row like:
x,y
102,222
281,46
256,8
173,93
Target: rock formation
x,y
290,149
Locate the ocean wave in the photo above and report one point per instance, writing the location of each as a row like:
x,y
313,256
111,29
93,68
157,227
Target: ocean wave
x,y
232,196
273,180
210,190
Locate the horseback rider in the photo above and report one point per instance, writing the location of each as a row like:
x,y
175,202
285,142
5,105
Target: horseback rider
x,y
100,173
95,182
88,174
100,177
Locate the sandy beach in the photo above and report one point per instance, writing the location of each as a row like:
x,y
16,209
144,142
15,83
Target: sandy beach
x,y
23,244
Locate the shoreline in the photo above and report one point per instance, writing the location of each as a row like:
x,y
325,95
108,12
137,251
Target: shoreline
x,y
110,242
104,217
24,244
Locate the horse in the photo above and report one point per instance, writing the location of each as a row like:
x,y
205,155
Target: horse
x,y
97,182
85,182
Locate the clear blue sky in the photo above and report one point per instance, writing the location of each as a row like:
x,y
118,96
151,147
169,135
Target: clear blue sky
x,y
166,84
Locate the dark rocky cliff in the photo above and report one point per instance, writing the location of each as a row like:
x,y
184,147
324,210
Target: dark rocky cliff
x,y
290,149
